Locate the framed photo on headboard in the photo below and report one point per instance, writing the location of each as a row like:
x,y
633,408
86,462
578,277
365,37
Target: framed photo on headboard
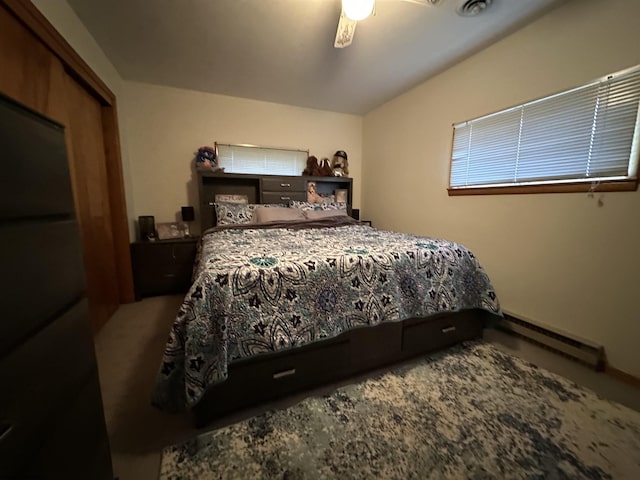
x,y
228,198
342,195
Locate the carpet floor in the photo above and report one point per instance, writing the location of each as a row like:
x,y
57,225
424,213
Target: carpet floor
x,y
468,412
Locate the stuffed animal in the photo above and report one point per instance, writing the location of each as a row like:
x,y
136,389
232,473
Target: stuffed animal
x,y
325,168
206,159
312,193
312,167
340,164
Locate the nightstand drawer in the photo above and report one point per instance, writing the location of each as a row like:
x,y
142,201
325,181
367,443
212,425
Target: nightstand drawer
x,y
163,279
284,184
166,253
163,267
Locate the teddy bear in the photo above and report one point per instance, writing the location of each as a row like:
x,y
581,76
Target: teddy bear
x,y
340,164
312,193
312,167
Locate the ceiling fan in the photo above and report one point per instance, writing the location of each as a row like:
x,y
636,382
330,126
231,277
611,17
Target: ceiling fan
x,y
355,10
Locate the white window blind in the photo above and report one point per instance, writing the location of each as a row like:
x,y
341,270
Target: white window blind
x,y
590,134
261,160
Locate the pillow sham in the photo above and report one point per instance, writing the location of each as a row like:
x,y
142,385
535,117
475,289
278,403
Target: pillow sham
x,y
238,213
266,215
318,214
318,206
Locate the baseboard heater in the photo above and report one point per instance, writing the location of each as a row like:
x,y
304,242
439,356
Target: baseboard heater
x,y
578,349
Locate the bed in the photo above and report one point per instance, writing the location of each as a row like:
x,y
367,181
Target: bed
x,y
288,304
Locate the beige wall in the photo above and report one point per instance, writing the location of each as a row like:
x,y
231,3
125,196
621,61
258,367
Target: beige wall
x,y
162,127
167,125
69,25
557,259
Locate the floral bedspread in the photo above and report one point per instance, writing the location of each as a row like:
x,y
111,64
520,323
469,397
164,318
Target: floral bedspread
x,y
262,290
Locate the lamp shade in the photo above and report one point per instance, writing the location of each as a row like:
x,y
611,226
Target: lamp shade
x,y
188,214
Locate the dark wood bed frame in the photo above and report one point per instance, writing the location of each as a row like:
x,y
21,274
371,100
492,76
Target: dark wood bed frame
x,y
271,376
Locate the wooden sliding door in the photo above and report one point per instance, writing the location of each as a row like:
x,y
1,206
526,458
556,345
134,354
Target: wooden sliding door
x,y
89,177
43,79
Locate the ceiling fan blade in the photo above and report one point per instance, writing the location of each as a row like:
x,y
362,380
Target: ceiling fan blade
x,y
346,29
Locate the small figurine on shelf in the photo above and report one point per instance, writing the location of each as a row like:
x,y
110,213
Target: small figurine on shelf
x,y
340,164
206,160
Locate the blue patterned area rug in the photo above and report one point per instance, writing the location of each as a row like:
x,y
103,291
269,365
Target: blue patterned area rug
x,y
470,412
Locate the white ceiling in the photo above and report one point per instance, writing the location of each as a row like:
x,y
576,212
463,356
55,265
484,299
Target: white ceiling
x,y
282,50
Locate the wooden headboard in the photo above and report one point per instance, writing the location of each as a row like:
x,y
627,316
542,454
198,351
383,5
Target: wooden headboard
x,y
261,189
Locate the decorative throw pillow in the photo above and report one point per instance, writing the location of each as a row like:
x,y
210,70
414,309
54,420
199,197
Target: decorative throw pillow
x,y
233,213
318,206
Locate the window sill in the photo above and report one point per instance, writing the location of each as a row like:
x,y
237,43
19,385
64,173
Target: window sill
x,y
610,186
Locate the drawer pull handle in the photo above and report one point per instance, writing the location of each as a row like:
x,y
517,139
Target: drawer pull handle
x,y
285,184
285,198
168,275
211,204
5,429
285,373
449,329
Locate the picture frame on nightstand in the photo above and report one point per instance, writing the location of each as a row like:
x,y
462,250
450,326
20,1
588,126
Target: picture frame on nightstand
x,y
168,231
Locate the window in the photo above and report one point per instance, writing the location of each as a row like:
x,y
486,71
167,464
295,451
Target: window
x,y
261,160
579,140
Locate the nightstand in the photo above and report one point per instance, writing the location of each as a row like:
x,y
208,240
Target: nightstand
x,y
163,267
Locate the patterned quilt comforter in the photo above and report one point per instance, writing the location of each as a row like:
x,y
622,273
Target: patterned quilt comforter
x,y
259,290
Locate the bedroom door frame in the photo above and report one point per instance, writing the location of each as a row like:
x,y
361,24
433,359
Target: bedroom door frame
x,y
77,68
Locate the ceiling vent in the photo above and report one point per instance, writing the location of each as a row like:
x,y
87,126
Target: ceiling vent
x,y
471,8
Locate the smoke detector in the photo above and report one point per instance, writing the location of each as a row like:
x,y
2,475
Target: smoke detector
x,y
471,8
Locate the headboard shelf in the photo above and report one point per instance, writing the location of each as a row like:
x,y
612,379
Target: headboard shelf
x,y
262,189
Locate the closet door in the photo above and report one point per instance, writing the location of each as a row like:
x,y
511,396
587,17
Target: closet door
x,y
89,177
28,71
34,76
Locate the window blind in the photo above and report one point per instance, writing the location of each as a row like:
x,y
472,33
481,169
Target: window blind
x,y
260,160
590,133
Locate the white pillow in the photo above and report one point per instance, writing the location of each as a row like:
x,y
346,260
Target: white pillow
x,y
261,214
318,214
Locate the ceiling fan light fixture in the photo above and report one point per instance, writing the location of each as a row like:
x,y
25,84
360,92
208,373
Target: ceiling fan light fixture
x,y
358,9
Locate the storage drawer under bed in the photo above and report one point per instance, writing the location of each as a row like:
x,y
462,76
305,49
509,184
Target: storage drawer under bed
x,y
424,335
296,370
258,379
